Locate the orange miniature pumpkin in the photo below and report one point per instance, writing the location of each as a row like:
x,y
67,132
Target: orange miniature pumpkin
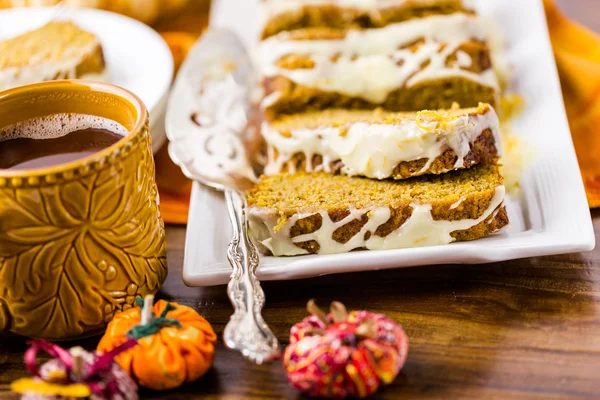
x,y
175,344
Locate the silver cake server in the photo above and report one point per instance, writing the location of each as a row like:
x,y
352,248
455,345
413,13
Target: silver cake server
x,y
206,120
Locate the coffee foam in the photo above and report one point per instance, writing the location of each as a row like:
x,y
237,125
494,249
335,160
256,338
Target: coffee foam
x,y
58,125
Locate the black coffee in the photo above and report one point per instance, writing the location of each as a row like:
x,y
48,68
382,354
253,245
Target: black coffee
x,y
56,139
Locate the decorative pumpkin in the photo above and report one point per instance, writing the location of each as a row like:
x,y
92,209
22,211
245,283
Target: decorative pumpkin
x,y
75,374
344,354
174,344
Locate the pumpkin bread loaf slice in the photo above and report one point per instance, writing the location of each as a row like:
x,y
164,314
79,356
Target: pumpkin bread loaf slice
x,y
302,213
428,63
58,50
380,144
287,15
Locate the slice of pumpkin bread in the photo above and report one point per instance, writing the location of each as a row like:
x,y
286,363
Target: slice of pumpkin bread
x,y
287,15
380,144
57,50
302,213
428,63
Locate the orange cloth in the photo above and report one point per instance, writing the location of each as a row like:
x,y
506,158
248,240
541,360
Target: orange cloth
x,y
577,52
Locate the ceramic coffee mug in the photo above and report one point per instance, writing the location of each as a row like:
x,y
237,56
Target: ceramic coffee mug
x,y
78,241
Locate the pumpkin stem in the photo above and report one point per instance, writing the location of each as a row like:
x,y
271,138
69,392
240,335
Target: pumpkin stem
x,y
317,312
150,323
338,312
146,314
77,369
366,329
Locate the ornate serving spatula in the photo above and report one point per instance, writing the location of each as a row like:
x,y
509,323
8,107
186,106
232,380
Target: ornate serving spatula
x,y
207,118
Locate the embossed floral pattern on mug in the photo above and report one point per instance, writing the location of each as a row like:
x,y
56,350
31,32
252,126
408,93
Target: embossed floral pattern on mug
x,y
79,245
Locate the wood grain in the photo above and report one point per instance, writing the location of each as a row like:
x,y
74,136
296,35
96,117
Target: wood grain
x,y
525,329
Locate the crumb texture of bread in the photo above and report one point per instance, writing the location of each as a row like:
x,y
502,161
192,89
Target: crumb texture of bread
x,y
291,98
311,192
57,50
302,213
380,144
340,117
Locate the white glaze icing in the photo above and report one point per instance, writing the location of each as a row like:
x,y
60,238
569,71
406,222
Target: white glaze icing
x,y
464,60
270,99
371,63
455,28
420,229
374,150
495,213
40,70
457,204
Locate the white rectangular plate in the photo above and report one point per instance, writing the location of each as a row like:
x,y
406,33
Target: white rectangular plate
x,y
551,217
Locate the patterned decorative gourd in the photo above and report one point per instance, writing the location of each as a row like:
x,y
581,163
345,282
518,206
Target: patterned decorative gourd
x,y
344,354
75,374
175,344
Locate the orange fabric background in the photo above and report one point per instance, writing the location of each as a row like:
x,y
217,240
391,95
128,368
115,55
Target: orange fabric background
x,y
577,52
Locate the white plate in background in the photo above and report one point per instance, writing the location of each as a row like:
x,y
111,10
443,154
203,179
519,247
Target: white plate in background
x,y
137,57
551,217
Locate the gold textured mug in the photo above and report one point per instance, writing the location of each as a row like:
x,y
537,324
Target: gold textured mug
x,y
78,241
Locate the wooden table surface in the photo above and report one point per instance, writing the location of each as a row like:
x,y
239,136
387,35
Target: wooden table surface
x,y
519,329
